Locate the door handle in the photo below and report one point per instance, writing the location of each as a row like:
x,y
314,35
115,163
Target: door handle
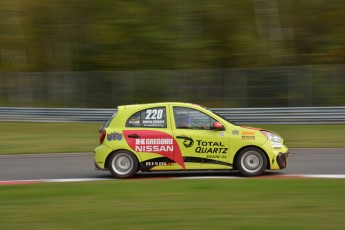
x,y
133,136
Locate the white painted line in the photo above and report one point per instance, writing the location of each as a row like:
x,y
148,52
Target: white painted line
x,y
75,180
208,177
16,182
326,176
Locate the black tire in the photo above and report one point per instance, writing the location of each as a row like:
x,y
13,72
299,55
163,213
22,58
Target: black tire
x,y
122,164
251,162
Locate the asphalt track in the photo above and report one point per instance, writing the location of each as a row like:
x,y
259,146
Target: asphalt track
x,y
80,166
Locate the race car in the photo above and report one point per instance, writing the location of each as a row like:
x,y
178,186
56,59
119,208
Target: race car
x,y
184,136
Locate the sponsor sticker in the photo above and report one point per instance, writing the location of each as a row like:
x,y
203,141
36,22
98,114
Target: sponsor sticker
x,y
115,136
158,163
216,147
154,145
251,138
235,132
151,141
248,133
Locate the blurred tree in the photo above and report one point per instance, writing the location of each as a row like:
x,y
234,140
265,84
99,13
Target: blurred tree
x,y
106,35
58,35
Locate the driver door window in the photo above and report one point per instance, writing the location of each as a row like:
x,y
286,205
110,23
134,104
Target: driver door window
x,y
187,118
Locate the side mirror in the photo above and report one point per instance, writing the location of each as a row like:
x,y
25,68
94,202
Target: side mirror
x,y
218,126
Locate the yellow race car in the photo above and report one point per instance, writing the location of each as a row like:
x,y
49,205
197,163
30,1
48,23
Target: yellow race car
x,y
184,136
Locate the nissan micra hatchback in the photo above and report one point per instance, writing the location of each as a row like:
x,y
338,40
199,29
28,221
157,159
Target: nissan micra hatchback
x,y
183,136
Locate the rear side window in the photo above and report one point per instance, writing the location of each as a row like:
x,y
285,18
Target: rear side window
x,y
148,118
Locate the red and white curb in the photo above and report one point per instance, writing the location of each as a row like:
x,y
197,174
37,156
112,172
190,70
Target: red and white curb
x,y
20,182
16,182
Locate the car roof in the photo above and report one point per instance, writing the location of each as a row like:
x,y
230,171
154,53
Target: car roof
x,y
157,104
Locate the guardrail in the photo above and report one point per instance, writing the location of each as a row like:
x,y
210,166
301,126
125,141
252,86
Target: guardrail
x,y
288,115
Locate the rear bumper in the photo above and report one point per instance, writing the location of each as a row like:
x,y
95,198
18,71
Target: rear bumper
x,y
96,166
100,156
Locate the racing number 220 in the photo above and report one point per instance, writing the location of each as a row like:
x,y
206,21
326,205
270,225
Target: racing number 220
x,y
153,114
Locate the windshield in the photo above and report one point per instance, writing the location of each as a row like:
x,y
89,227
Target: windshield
x,y
221,116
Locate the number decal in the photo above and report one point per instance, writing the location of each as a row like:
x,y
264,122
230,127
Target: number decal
x,y
154,114
159,113
148,114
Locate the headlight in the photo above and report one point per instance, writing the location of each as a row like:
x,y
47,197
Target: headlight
x,y
272,137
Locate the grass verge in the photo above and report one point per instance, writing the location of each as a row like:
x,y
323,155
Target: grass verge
x,y
176,204
33,137
26,137
310,136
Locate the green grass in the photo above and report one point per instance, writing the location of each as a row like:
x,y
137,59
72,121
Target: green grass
x,y
26,137
258,203
310,136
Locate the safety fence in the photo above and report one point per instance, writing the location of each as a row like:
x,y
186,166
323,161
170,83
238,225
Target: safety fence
x,y
271,87
283,115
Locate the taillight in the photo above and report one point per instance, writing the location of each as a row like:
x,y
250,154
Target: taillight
x,y
101,139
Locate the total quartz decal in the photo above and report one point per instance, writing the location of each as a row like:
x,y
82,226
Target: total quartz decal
x,y
210,147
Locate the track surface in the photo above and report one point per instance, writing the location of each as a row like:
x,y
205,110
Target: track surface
x,y
80,165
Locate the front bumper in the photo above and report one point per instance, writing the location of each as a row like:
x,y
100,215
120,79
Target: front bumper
x,y
278,155
282,160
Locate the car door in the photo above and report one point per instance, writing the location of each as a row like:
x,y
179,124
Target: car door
x,y
148,134
201,146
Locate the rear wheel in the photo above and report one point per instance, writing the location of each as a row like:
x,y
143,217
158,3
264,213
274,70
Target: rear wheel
x,y
123,164
251,162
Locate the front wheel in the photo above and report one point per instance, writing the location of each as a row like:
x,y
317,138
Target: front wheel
x,y
251,162
123,164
